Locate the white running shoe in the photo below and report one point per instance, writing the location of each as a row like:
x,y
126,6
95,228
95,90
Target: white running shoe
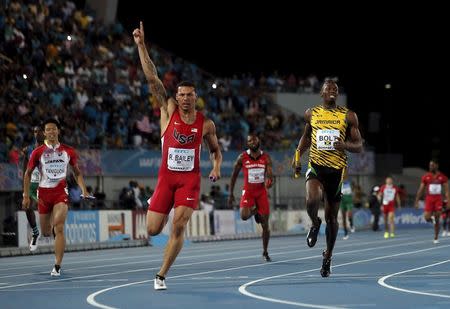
x,y
436,241
345,237
34,242
352,229
444,233
55,273
160,283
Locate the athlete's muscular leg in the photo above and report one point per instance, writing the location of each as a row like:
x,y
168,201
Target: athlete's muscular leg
x,y
265,232
247,212
59,219
331,230
391,217
45,223
31,217
155,222
386,222
437,216
314,197
427,216
180,220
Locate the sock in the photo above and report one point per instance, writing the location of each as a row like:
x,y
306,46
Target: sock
x,y
35,231
57,267
160,277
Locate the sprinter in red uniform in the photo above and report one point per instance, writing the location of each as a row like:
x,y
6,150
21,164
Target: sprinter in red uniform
x,y
182,132
52,160
435,183
258,176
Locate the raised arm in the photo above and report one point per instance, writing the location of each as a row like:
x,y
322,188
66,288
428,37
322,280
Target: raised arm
x,y
156,86
234,175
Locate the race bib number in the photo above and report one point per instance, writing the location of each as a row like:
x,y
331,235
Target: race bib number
x,y
325,139
180,160
388,195
256,175
55,171
435,188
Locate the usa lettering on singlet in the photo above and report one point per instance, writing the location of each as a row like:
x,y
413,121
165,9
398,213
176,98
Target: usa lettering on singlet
x,y
181,144
328,125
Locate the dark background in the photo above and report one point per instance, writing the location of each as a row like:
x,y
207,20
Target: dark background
x,y
366,48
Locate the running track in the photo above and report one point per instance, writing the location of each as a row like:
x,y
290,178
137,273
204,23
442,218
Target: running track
x,y
368,272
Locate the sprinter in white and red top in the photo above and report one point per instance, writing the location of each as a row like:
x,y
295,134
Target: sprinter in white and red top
x,y
52,160
182,131
389,196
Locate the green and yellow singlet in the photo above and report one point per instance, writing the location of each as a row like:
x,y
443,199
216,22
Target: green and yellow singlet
x,y
327,125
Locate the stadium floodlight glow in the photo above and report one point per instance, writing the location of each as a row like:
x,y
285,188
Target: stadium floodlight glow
x,y
387,86
24,76
214,86
69,38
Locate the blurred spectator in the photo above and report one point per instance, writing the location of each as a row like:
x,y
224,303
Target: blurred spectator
x,y
75,196
358,196
402,194
225,142
375,207
100,198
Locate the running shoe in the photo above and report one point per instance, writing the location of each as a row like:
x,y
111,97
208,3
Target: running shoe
x,y
55,272
326,266
266,257
311,238
34,242
160,283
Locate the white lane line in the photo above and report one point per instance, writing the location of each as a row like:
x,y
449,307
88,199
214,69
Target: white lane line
x,y
54,280
94,256
243,288
203,262
158,260
382,282
91,298
183,256
97,258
